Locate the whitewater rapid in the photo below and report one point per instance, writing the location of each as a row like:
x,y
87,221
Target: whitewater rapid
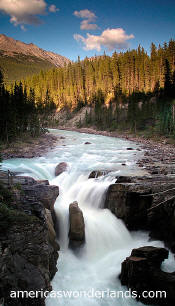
x,y
97,265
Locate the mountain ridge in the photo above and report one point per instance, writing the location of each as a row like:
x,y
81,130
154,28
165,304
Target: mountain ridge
x,y
11,47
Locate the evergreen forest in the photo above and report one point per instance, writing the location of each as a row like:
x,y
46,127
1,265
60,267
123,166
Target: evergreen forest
x,y
20,66
130,90
20,114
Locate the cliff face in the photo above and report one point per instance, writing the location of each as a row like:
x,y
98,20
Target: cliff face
x,y
12,47
146,203
28,247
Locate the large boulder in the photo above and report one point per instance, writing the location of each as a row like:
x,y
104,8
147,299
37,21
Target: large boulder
x,y
60,168
153,254
141,272
77,226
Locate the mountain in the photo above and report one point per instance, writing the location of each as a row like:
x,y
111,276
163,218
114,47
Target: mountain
x,y
18,59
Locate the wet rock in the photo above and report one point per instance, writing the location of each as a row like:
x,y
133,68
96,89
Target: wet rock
x,y
13,179
51,229
123,179
123,164
27,261
32,189
46,194
126,202
60,168
87,142
161,220
44,182
28,247
145,203
142,272
129,149
153,254
97,173
77,226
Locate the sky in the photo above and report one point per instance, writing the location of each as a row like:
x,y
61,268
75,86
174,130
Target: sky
x,y
86,28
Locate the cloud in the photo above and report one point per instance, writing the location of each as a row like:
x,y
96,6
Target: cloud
x,y
23,12
110,38
88,17
23,27
85,25
53,8
85,14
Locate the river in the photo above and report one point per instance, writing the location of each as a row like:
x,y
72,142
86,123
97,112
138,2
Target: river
x,y
97,265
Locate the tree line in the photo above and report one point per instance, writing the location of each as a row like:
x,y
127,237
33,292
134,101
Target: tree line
x,y
129,90
128,72
20,66
20,113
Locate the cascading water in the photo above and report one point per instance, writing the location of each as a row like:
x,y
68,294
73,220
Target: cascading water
x,y
97,266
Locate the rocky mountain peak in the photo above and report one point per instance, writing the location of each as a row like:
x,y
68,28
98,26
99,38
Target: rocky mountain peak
x,y
11,47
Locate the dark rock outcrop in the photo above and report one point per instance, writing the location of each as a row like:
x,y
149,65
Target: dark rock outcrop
x,y
77,226
60,168
161,221
51,229
97,173
28,247
141,272
145,203
126,201
153,254
44,193
123,179
27,260
41,191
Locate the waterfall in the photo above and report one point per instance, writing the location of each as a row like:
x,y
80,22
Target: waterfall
x,y
97,265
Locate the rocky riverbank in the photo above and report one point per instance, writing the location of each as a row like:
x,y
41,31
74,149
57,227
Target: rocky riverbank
x,y
159,154
28,246
145,202
29,147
